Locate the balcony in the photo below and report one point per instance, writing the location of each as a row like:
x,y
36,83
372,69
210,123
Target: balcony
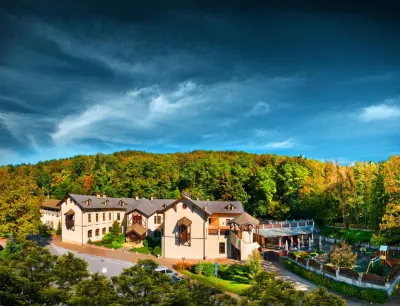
x,y
218,230
70,224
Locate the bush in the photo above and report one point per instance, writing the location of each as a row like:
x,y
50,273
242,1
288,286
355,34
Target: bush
x,y
157,251
90,241
59,229
240,279
145,243
368,294
198,268
107,239
116,245
183,266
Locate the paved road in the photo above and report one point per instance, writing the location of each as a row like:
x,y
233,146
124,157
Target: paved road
x,y
107,266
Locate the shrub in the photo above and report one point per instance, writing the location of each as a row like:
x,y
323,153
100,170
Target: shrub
x,y
145,243
238,269
254,264
240,279
156,251
90,241
59,229
183,266
107,239
116,244
368,294
208,269
197,268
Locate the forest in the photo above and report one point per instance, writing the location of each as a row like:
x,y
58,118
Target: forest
x,y
364,194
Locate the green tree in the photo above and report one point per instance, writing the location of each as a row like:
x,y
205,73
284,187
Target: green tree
x,y
254,264
140,286
69,270
342,256
97,290
19,205
321,297
59,228
267,290
115,229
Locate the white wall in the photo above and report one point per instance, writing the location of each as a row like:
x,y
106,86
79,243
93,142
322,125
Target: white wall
x,y
171,249
68,235
50,217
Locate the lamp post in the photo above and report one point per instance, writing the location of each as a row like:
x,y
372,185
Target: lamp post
x,y
183,259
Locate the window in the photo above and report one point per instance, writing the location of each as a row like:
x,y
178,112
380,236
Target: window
x,y
89,234
104,231
89,218
136,219
157,219
97,217
109,216
104,216
222,247
97,232
118,216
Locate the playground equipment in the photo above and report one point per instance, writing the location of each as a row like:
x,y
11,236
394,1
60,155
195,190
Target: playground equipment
x,y
383,257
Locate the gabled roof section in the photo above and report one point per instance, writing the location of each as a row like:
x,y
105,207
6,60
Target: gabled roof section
x,y
245,219
51,203
220,207
147,207
184,221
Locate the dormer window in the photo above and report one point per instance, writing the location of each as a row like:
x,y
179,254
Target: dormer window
x,y
230,207
88,202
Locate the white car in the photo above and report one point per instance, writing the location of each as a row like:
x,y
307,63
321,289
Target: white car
x,y
165,270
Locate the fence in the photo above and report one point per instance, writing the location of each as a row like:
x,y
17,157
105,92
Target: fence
x,y
349,276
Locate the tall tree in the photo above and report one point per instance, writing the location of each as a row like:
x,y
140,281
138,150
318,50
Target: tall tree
x,y
19,204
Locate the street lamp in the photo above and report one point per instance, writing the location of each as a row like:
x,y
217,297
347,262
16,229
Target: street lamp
x,y
183,259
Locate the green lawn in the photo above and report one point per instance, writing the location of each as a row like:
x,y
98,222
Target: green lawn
x,y
222,284
142,250
351,236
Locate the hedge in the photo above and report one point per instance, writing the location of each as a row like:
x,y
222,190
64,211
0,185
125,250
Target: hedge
x,y
367,294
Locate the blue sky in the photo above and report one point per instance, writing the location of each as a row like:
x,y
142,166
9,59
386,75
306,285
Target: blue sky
x,y
81,79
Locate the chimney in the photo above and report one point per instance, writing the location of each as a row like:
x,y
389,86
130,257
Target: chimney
x,y
98,195
136,197
151,199
104,195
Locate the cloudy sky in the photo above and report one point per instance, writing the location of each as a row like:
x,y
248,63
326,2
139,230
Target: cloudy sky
x,y
170,76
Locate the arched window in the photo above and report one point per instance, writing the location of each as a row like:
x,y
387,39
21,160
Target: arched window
x,y
97,232
89,234
104,231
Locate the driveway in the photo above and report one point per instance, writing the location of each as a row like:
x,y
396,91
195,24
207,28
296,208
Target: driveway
x,y
107,266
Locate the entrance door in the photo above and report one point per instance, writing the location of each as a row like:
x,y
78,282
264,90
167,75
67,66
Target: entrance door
x,y
235,253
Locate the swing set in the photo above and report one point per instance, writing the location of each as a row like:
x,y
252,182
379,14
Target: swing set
x,y
383,257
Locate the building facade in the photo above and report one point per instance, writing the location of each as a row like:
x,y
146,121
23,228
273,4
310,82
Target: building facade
x,y
187,228
50,213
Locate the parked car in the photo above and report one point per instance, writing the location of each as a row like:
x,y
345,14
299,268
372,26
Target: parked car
x,y
165,270
176,278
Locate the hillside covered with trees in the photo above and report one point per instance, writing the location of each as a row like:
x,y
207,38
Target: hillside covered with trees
x,y
270,186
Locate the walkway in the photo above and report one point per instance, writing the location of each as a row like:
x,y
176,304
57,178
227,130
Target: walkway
x,y
124,255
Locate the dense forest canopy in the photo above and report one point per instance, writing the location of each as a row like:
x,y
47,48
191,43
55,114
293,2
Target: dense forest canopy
x,y
269,186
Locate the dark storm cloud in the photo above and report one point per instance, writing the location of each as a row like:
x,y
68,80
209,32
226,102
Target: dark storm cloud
x,y
88,76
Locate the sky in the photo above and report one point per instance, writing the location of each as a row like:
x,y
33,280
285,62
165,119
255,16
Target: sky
x,y
81,77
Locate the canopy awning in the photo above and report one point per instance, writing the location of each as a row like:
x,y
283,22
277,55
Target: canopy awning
x,y
137,229
70,212
184,221
284,232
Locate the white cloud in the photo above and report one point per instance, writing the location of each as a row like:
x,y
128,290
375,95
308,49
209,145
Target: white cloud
x,y
377,112
285,144
260,109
